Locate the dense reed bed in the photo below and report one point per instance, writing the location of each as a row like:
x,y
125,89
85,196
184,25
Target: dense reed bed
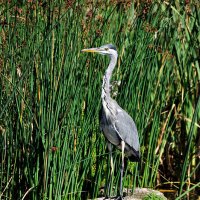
x,y
51,145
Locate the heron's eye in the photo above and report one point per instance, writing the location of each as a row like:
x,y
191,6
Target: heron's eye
x,y
106,49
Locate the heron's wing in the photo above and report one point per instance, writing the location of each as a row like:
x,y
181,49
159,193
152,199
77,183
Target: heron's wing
x,y
127,130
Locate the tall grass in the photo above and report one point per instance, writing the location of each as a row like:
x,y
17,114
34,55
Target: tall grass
x,y
52,147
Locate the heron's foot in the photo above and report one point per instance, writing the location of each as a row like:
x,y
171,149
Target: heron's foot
x,y
107,197
119,198
115,198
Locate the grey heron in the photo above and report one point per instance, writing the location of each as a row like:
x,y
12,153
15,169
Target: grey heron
x,y
117,125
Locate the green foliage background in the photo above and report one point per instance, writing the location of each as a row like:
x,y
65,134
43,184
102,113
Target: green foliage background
x,y
51,145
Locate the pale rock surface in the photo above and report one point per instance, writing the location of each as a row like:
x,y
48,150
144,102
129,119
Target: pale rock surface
x,y
139,194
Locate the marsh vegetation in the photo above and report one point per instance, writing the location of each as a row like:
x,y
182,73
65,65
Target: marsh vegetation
x,y
51,145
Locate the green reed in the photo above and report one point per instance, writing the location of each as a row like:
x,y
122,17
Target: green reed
x,y
52,147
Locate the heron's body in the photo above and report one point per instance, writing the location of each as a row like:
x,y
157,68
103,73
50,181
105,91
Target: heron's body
x,y
116,124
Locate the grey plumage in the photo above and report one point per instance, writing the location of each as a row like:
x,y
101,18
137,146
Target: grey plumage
x,y
116,124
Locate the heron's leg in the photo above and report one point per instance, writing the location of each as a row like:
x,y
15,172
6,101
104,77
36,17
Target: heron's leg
x,y
111,158
122,169
109,179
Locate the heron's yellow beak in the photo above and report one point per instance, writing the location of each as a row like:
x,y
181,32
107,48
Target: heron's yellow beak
x,y
92,50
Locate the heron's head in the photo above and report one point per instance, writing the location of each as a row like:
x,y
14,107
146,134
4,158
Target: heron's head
x,y
107,49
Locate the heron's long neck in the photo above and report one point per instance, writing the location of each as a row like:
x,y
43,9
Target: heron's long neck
x,y
106,78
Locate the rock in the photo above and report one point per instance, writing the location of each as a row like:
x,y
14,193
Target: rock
x,y
141,193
